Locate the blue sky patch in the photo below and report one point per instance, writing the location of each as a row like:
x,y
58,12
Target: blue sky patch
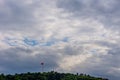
x,y
65,39
30,42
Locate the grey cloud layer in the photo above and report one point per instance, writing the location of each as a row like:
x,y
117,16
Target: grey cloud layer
x,y
16,13
107,12
16,60
78,36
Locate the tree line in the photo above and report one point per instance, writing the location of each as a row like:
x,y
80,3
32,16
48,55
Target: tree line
x,y
48,76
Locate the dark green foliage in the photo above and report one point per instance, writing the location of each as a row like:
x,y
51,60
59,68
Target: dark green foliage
x,y
48,76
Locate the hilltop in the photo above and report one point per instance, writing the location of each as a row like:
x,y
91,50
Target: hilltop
x,y
49,76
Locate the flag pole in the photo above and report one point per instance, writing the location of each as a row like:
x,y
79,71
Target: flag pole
x,y
42,66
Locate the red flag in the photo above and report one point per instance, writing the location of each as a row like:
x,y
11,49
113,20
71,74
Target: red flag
x,y
42,63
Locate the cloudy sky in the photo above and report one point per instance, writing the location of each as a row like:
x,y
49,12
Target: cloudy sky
x,y
67,35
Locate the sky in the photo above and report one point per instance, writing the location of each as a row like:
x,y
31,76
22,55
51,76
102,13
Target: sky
x,y
77,36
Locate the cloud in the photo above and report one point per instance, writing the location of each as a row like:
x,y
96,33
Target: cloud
x,y
69,36
106,12
16,60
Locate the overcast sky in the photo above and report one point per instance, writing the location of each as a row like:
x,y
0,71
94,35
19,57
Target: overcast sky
x,y
67,35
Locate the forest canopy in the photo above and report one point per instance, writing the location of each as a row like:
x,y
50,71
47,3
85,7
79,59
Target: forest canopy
x,y
49,76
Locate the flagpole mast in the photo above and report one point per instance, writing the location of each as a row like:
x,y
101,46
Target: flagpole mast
x,y
42,66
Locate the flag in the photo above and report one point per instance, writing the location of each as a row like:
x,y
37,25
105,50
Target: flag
x,y
42,63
